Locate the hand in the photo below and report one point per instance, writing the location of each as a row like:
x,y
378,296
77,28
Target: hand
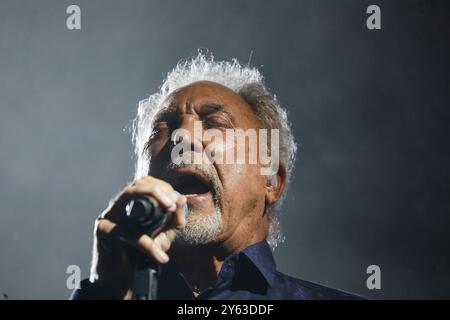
x,y
117,255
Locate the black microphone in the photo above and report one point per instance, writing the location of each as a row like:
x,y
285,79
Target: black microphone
x,y
146,217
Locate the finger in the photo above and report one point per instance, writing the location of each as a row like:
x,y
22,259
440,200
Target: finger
x,y
164,196
179,218
105,227
109,235
164,240
165,186
152,249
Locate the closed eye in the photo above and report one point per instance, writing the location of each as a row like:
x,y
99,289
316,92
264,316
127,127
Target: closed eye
x,y
217,121
160,130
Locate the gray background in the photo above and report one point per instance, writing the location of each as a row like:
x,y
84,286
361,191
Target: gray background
x,y
370,109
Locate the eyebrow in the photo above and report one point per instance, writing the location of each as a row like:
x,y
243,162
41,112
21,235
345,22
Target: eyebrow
x,y
165,114
211,108
206,109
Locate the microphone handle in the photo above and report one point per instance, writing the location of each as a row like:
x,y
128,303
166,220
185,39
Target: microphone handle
x,y
146,217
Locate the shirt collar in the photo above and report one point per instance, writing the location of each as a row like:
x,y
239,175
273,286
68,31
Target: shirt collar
x,y
258,257
260,254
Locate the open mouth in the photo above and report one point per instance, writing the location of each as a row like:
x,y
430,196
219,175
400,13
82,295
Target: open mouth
x,y
188,184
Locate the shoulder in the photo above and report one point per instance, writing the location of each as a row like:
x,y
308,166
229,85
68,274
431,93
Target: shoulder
x,y
293,288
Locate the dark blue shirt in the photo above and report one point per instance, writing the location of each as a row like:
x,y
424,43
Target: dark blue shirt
x,y
250,275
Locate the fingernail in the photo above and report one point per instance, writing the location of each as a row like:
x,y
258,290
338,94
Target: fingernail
x,y
163,256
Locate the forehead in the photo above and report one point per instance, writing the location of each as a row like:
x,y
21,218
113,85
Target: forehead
x,y
204,93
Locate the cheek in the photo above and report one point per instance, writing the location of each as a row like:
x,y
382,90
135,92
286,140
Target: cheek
x,y
244,195
160,150
160,156
156,146
242,182
221,148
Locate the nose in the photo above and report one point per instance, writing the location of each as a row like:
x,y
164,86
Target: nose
x,y
189,134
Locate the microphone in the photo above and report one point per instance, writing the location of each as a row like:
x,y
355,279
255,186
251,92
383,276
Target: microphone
x,y
146,217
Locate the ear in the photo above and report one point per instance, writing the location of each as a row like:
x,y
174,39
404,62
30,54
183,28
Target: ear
x,y
275,185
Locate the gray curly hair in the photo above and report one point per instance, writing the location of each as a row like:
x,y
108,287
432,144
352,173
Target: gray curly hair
x,y
244,80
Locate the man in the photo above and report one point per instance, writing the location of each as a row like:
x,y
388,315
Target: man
x,y
222,250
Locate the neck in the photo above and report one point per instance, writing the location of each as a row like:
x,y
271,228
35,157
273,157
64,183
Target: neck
x,y
201,265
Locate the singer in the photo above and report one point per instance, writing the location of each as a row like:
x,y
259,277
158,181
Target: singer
x,y
223,248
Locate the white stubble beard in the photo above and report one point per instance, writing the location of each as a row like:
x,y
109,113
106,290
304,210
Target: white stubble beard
x,y
201,229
